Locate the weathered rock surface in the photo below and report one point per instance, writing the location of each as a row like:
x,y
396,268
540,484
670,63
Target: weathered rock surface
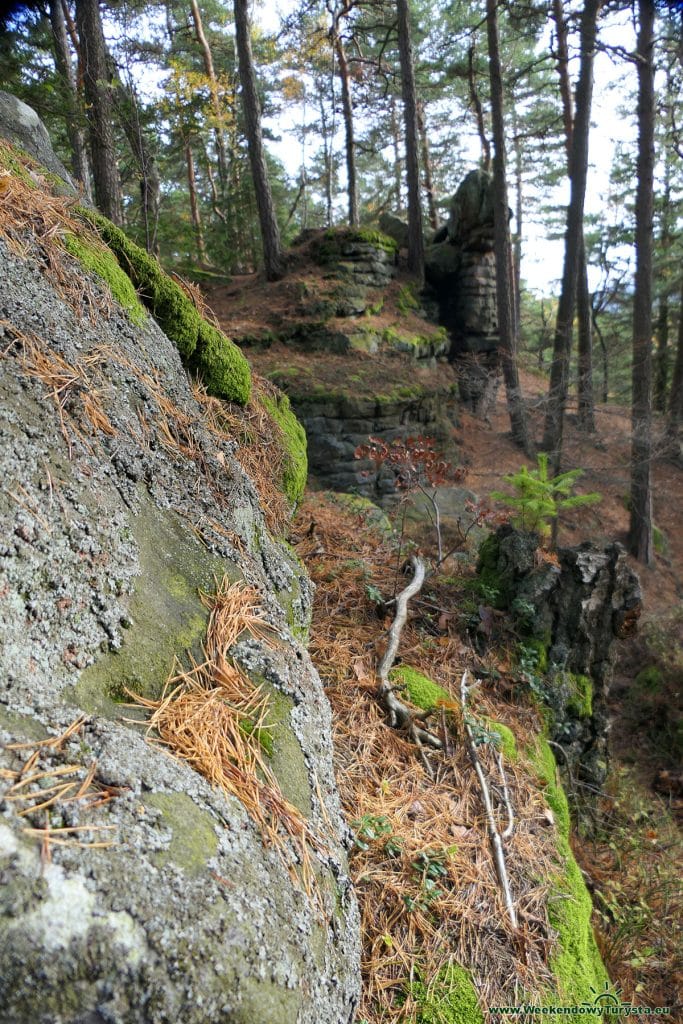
x,y
460,270
117,505
19,123
572,613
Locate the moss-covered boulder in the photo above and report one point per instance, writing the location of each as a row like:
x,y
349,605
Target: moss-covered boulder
x,y
202,346
138,885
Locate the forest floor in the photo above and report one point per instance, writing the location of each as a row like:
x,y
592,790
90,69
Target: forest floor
x,y
633,857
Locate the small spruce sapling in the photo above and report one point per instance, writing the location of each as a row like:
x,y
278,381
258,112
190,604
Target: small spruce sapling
x,y
539,498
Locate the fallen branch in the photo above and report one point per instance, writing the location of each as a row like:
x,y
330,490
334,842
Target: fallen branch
x,y
494,834
400,715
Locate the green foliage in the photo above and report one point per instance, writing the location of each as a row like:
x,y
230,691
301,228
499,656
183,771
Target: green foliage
x,y
538,498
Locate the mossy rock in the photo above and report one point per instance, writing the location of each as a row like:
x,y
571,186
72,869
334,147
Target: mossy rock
x,y
577,964
295,471
166,617
449,998
100,260
503,738
203,347
580,695
419,689
221,366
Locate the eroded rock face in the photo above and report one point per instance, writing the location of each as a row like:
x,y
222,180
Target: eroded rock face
x,y
570,614
460,269
117,505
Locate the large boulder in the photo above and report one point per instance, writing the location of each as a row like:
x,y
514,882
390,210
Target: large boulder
x,y
134,889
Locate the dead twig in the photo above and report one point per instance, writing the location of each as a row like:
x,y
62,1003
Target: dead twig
x,y
400,715
494,834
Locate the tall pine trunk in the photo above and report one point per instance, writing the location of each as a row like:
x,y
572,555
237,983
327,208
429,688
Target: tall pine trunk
x,y
640,529
501,226
578,174
194,205
99,103
347,112
270,232
675,412
76,135
415,229
427,166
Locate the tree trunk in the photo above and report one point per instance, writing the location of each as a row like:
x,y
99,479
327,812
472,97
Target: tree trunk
x,y
586,401
640,531
504,299
347,110
578,173
98,97
676,394
214,92
396,142
427,166
270,232
73,111
415,230
478,111
150,186
194,205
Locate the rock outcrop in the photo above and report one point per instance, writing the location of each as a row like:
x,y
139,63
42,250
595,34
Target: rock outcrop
x,y
568,614
133,890
460,270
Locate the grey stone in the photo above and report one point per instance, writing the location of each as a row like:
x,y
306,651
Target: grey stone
x,y
21,125
189,916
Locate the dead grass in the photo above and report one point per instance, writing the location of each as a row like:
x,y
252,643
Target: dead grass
x,y
426,880
33,222
212,716
39,787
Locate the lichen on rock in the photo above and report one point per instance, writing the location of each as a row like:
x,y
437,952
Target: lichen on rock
x,y
165,903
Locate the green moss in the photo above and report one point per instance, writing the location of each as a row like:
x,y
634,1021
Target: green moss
x,y
506,742
194,840
166,616
168,303
14,160
581,695
449,998
659,540
419,689
407,300
222,367
649,679
101,261
295,470
577,964
489,575
540,648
